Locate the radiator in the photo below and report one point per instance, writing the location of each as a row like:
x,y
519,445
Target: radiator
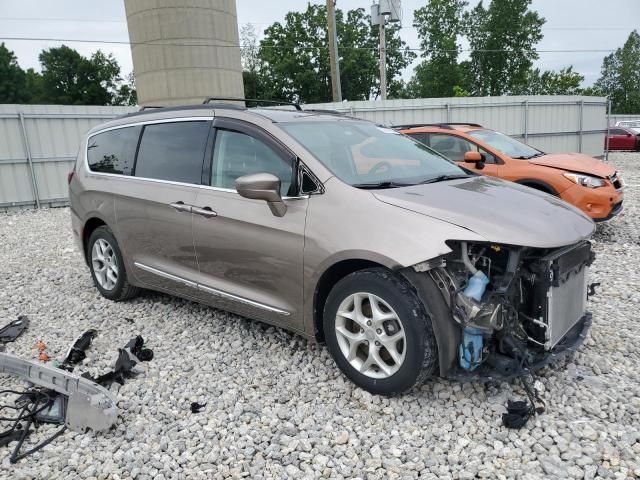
x,y
566,304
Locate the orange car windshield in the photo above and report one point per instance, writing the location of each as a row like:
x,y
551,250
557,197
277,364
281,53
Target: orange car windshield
x,y
506,144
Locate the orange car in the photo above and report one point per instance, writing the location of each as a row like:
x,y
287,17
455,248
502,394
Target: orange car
x,y
591,185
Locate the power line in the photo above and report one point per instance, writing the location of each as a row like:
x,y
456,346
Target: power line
x,y
162,43
406,27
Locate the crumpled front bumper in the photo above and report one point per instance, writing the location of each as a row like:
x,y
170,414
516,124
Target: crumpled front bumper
x,y
569,344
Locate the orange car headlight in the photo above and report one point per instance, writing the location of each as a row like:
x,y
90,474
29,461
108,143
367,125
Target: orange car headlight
x,y
585,180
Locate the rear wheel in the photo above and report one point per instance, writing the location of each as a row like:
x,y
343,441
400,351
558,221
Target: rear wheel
x,y
107,266
379,333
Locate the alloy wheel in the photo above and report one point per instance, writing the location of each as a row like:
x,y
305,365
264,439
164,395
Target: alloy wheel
x,y
105,264
370,335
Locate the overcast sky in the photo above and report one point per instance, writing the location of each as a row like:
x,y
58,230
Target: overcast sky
x,y
571,24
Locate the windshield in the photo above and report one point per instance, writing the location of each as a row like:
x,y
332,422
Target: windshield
x,y
368,156
506,144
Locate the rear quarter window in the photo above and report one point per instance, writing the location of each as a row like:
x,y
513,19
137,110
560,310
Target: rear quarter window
x,y
173,151
113,151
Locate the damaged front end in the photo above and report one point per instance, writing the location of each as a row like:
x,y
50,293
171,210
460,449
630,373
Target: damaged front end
x,y
512,309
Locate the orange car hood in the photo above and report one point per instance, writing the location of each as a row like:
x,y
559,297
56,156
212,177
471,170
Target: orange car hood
x,y
575,162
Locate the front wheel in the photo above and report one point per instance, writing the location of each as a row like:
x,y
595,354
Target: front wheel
x,y
379,333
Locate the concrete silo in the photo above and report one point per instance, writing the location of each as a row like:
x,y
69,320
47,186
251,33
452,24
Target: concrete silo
x,y
184,50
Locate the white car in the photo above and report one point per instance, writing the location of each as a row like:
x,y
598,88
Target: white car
x,y
630,124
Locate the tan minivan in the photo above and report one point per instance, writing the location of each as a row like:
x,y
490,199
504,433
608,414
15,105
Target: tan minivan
x,y
341,230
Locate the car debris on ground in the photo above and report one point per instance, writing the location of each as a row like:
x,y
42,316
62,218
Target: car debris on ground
x,y
56,395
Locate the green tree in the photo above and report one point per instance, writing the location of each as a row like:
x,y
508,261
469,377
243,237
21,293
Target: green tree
x,y
294,57
126,92
563,82
251,73
620,76
71,79
502,38
438,24
12,78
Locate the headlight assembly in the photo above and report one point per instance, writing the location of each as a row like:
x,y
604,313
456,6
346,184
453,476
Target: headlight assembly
x,y
585,180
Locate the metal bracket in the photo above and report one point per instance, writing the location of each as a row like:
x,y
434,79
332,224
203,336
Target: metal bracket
x,y
89,406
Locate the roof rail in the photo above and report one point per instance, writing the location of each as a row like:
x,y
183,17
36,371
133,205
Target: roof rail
x,y
144,107
255,100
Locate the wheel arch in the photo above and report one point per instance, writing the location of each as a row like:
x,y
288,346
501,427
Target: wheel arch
x,y
87,229
329,277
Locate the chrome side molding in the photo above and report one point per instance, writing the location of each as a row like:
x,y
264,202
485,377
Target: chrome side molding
x,y
213,291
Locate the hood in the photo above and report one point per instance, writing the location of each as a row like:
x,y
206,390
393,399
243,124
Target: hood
x,y
575,162
500,211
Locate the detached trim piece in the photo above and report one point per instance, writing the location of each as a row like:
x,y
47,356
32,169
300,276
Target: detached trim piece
x,y
89,406
210,290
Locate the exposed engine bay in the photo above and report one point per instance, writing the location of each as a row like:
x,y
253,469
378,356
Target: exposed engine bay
x,y
515,307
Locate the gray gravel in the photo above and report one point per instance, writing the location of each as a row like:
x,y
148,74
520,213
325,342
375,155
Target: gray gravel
x,y
277,407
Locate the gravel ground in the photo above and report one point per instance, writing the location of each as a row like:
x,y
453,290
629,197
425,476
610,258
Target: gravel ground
x,y
277,405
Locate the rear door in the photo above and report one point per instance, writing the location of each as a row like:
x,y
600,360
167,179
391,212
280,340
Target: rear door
x,y
154,212
454,148
250,260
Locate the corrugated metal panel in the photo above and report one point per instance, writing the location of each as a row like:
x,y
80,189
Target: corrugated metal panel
x,y
552,123
54,133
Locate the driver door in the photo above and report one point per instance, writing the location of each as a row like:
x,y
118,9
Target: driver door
x,y
249,260
454,148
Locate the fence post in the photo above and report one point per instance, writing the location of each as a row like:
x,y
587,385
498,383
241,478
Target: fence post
x,y
448,112
526,121
29,159
581,103
606,139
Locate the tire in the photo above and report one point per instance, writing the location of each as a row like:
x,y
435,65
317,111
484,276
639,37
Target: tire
x,y
379,371
115,286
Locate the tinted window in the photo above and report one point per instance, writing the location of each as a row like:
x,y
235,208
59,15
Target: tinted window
x,y
420,137
617,131
113,151
236,154
173,151
454,147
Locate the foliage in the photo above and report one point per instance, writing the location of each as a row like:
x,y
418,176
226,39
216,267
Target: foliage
x,y
294,57
563,82
67,78
502,38
12,78
439,24
620,76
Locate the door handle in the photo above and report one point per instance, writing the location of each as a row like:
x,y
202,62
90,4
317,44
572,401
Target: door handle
x,y
204,211
180,207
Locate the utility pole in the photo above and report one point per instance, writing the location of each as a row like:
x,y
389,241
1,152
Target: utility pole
x,y
381,12
334,59
383,60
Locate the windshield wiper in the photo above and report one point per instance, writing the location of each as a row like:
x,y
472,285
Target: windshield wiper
x,y
535,155
385,184
442,178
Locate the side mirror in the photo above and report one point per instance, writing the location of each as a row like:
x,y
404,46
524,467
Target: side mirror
x,y
474,157
262,186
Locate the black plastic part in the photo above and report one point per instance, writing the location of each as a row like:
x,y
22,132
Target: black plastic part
x,y
80,346
13,330
197,407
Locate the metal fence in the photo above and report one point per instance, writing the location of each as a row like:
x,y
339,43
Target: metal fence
x,y
39,143
551,123
38,146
